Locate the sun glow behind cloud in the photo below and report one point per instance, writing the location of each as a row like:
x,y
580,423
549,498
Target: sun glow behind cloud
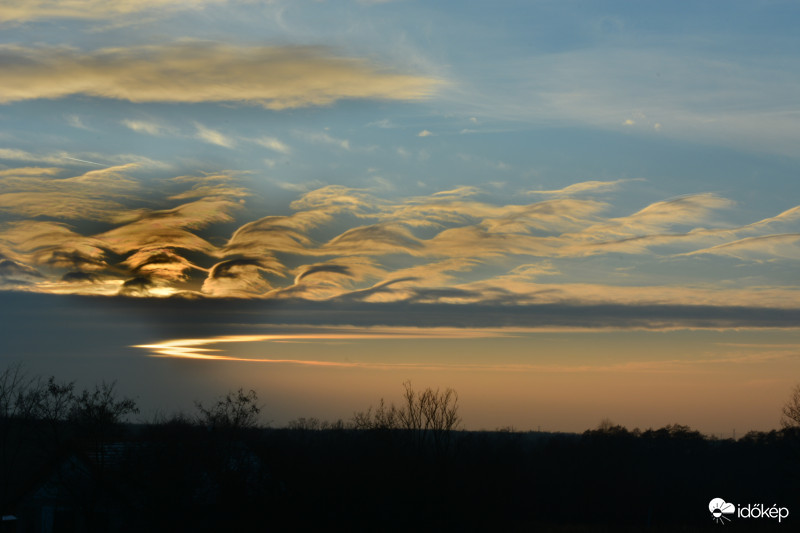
x,y
457,246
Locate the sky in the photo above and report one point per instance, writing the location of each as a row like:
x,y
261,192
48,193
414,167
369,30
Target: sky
x,y
566,211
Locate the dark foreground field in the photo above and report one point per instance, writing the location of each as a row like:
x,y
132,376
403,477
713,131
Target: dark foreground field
x,y
69,464
180,475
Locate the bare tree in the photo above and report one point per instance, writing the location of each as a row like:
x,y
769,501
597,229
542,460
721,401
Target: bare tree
x,y
314,424
55,404
16,392
95,414
429,416
93,410
49,402
235,410
791,410
380,418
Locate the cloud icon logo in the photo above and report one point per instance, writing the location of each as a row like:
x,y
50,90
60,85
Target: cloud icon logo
x,y
719,508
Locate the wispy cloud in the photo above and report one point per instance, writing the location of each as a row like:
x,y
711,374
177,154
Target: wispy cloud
x,y
13,273
67,159
273,143
76,122
95,195
52,251
27,10
195,71
30,171
321,137
687,90
22,155
144,126
584,187
766,247
213,136
660,222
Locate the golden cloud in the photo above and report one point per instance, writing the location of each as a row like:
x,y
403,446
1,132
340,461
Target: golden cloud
x,y
240,278
194,71
26,10
765,247
350,245
585,186
95,195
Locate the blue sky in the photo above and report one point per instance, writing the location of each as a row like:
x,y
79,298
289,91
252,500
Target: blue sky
x,y
633,159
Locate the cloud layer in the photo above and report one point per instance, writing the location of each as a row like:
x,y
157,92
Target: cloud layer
x,y
98,233
200,71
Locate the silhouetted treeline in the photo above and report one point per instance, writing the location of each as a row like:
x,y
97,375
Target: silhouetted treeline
x,y
218,470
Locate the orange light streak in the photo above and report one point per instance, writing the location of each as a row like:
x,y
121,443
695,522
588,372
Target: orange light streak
x,y
193,348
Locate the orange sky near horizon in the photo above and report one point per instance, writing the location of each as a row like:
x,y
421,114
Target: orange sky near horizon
x,y
714,381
